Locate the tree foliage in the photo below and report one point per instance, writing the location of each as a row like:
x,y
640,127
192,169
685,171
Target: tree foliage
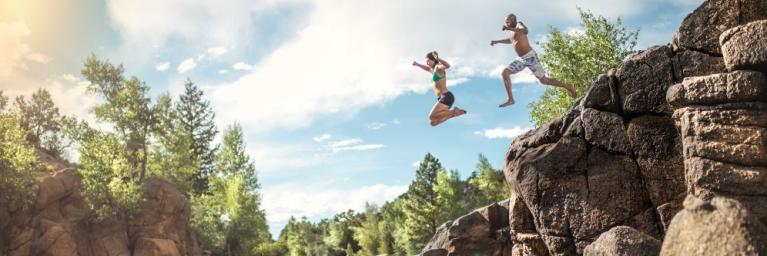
x,y
197,119
40,116
18,169
578,58
229,218
109,184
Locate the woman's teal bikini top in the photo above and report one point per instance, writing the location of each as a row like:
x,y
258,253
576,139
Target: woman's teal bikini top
x,y
435,76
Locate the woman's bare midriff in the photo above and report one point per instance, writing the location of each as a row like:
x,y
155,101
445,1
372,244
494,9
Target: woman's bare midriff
x,y
440,87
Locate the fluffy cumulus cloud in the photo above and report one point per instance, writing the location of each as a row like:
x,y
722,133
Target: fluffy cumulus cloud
x,y
343,58
242,66
503,133
281,202
186,65
162,66
321,137
17,54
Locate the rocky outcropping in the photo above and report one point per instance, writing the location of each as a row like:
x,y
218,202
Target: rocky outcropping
x,y
689,118
59,223
623,241
484,231
717,227
615,159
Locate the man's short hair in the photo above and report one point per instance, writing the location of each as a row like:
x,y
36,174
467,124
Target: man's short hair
x,y
511,14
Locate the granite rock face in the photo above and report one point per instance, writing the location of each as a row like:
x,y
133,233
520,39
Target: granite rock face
x,y
484,231
720,226
623,241
685,120
58,224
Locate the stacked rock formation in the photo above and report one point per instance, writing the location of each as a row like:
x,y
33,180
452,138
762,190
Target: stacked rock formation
x,y
685,119
60,224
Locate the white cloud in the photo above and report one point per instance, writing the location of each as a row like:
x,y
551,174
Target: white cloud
x,y
162,66
38,57
216,51
376,125
242,66
503,132
351,145
186,65
380,125
321,137
16,52
416,163
223,71
282,202
342,60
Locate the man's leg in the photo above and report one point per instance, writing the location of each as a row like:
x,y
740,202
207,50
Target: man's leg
x,y
513,68
507,83
553,82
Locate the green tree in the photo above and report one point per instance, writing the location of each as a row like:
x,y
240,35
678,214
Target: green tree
x,y
303,238
197,119
579,58
171,155
368,234
394,240
18,169
276,248
421,207
487,184
40,116
229,218
126,106
3,102
340,233
449,190
109,184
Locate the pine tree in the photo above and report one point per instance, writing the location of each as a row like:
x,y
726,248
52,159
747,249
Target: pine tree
x,y
421,207
171,153
197,118
487,184
237,224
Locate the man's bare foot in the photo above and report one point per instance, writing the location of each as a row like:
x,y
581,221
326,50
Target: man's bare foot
x,y
507,103
459,111
570,88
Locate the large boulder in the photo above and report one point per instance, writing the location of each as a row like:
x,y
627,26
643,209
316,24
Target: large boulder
x,y
718,227
481,232
745,47
694,63
643,80
623,241
701,29
737,86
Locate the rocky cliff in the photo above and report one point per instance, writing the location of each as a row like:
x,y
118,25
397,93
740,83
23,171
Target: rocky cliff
x,y
59,222
611,176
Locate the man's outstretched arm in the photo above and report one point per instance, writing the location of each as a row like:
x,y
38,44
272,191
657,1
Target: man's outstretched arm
x,y
504,41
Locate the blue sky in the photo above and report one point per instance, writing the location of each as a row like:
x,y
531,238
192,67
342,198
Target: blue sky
x,y
334,114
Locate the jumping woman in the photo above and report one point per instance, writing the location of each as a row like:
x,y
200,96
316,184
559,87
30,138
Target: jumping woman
x,y
441,111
